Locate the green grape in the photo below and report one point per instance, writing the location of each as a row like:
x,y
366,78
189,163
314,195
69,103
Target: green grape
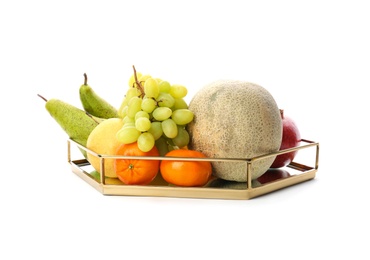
x,y
141,114
132,92
159,80
146,142
169,128
142,124
128,134
132,79
134,106
182,116
162,146
128,124
151,88
122,111
128,119
125,101
178,91
148,104
170,142
165,100
182,138
143,78
170,147
179,104
164,86
156,130
162,113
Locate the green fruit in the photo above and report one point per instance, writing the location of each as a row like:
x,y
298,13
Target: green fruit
x,y
109,181
74,121
94,104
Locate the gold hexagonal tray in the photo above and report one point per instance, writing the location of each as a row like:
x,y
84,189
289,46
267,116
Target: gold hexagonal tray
x,y
272,180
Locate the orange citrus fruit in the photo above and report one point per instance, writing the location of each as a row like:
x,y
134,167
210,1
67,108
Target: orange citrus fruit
x,y
136,171
186,173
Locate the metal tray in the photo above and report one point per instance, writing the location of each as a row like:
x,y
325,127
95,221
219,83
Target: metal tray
x,y
272,180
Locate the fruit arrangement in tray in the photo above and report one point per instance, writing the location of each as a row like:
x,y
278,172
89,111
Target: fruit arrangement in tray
x,y
224,119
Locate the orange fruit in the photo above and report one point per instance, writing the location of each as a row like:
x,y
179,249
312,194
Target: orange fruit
x,y
186,173
136,171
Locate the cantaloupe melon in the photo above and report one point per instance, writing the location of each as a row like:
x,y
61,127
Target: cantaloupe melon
x,y
235,119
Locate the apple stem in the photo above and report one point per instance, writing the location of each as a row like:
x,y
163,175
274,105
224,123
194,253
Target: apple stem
x,y
85,79
282,113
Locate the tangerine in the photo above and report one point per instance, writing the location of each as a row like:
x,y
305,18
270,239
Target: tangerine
x,y
186,173
136,171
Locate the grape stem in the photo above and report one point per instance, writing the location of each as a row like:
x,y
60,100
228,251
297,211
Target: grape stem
x,y
141,89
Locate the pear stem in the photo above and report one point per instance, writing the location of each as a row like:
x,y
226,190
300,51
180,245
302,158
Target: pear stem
x,y
89,115
85,79
42,98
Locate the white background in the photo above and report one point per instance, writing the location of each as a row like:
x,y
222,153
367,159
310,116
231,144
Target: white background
x,y
313,56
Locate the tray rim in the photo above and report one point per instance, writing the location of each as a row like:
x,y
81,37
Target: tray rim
x,y
307,173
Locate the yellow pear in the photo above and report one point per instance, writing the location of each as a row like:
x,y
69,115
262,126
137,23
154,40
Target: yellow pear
x,y
103,141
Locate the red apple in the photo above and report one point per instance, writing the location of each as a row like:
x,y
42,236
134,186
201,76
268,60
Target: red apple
x,y
273,175
291,138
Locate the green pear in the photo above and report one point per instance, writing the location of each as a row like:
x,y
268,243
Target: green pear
x,y
94,104
74,121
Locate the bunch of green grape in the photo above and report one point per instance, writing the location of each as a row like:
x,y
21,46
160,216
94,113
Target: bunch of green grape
x,y
154,113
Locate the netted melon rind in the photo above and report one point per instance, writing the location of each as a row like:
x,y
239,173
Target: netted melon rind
x,y
235,119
